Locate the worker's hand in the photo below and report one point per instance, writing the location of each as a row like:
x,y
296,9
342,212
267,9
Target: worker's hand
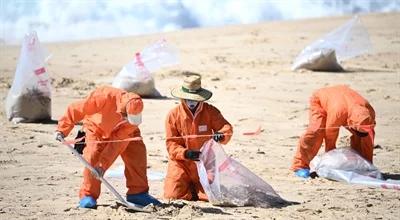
x,y
358,133
218,136
193,155
99,174
59,136
80,145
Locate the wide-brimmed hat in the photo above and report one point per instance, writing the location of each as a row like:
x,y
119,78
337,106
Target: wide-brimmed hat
x,y
191,89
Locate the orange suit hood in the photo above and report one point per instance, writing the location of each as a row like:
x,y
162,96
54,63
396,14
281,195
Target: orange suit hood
x,y
130,103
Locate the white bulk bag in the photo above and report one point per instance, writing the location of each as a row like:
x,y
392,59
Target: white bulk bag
x,y
29,99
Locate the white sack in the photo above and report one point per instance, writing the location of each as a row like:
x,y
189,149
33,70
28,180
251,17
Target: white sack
x,y
29,99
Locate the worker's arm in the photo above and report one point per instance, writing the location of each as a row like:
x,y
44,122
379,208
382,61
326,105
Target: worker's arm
x,y
78,110
175,145
221,125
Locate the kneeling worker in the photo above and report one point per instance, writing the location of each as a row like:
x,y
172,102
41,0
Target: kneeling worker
x,y
193,116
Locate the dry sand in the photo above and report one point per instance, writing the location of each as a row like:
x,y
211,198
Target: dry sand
x,y
248,69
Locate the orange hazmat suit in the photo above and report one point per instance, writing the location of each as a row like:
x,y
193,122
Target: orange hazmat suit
x,y
182,180
102,113
330,108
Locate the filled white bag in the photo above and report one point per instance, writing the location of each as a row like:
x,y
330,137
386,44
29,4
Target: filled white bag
x,y
347,41
226,182
29,98
137,75
346,165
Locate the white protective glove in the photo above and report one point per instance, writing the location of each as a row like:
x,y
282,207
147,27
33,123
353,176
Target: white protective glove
x,y
59,136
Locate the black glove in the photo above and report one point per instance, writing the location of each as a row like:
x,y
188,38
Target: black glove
x,y
358,133
79,146
218,136
192,155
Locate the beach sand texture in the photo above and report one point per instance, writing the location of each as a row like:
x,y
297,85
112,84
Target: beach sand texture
x,y
248,69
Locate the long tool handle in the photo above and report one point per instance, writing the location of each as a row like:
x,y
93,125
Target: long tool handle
x,y
108,185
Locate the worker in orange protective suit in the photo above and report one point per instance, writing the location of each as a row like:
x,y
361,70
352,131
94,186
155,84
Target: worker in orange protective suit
x,y
110,114
330,108
194,117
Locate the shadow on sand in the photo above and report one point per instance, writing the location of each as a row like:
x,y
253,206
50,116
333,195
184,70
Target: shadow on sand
x,y
392,176
367,70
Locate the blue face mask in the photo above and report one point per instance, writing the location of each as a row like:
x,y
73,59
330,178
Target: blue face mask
x,y
191,104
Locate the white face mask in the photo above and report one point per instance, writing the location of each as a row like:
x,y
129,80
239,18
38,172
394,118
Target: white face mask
x,y
191,104
135,119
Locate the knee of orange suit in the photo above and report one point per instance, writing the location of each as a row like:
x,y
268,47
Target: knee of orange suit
x,y
200,192
176,189
202,196
177,183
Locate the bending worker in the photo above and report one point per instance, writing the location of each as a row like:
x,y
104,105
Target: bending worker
x,y
110,114
330,108
193,116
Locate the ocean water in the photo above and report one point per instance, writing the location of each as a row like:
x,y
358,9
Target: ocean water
x,y
68,20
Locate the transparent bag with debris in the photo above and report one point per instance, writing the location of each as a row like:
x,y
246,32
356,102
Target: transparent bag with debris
x,y
137,76
346,165
226,182
29,98
345,42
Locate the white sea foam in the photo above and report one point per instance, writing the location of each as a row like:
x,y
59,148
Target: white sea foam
x,y
64,20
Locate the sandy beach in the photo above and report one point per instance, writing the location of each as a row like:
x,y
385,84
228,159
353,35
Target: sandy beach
x,y
248,68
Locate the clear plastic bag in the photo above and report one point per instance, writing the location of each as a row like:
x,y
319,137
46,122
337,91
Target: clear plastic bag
x,y
137,75
118,173
346,165
159,55
343,159
347,41
228,183
29,99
